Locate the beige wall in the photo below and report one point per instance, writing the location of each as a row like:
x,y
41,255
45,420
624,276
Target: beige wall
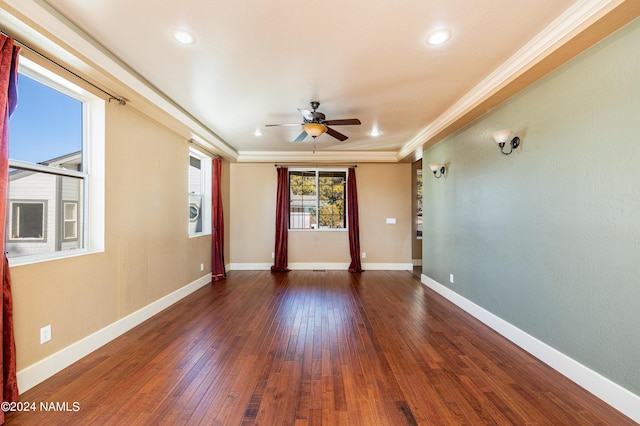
x,y
252,208
384,191
148,253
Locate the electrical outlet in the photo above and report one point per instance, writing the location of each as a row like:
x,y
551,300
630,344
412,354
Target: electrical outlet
x,y
451,278
364,255
45,334
273,255
202,266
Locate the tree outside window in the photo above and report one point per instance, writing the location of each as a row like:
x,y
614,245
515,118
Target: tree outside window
x,y
317,199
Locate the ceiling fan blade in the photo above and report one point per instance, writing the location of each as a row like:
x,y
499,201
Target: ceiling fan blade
x,y
301,136
346,121
336,135
288,124
306,114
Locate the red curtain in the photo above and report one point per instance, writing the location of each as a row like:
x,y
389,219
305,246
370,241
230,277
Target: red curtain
x,y
282,222
218,272
8,102
352,221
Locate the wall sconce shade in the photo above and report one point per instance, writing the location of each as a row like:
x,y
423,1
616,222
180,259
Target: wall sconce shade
x,y
435,168
314,129
502,136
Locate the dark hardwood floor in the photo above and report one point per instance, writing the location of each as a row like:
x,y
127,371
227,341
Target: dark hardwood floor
x,y
310,348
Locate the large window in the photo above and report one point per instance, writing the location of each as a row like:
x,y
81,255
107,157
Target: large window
x,y
52,131
317,199
199,193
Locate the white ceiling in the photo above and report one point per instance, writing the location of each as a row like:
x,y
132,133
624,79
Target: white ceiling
x,y
255,62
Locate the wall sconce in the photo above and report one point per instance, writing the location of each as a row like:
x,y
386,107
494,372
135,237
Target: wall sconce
x,y
435,168
502,136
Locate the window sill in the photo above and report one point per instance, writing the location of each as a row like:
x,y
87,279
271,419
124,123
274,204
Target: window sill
x,y
39,258
201,234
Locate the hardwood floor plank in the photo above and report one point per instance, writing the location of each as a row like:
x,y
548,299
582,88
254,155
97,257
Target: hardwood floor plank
x,y
311,348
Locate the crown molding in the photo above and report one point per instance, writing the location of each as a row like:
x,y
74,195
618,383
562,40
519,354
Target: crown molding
x,y
568,25
69,38
318,156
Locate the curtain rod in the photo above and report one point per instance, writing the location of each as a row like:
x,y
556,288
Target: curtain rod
x,y
316,165
191,141
120,101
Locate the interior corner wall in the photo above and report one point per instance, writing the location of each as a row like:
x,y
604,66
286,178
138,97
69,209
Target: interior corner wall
x,y
548,238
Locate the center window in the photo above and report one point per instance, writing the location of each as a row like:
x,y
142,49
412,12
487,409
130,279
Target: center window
x,y
317,199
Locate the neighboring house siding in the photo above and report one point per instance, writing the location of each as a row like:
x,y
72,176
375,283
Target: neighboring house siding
x,y
51,190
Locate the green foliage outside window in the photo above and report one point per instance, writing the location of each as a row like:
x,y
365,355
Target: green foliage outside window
x,y
317,199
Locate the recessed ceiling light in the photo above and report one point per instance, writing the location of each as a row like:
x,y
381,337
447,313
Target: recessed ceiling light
x,y
257,133
184,36
439,37
375,132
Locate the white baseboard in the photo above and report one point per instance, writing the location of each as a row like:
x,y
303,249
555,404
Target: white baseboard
x,y
47,367
300,266
345,266
249,266
610,392
387,266
309,266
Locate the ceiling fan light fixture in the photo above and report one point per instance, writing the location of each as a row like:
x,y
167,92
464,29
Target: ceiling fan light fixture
x,y
314,129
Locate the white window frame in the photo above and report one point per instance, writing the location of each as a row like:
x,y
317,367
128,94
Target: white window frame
x,y
93,174
205,184
66,220
317,171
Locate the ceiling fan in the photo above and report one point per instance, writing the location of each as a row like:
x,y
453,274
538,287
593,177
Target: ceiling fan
x,y
314,124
